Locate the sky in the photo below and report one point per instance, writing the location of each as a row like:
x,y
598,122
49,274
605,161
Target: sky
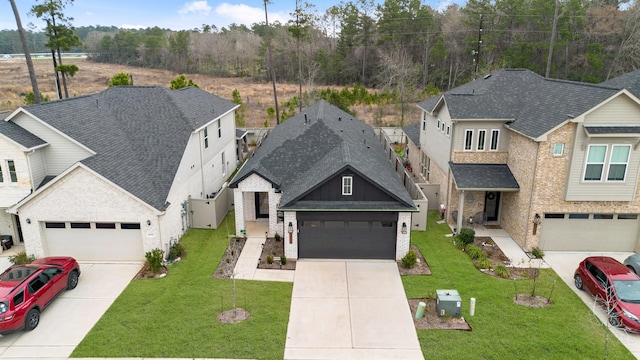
x,y
171,14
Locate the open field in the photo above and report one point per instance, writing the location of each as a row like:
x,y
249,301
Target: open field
x,y
93,77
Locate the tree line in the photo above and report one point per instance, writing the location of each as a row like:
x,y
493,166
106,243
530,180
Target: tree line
x,y
402,45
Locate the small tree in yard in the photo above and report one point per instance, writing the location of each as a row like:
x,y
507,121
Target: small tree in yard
x,y
182,82
120,79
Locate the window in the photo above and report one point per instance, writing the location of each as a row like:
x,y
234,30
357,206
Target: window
x,y
130,226
468,139
442,127
18,298
603,216
105,225
495,135
347,185
482,135
554,216
12,171
438,124
618,162
424,121
219,129
54,225
578,216
35,285
206,138
595,162
80,225
1,176
448,130
627,216
557,149
224,168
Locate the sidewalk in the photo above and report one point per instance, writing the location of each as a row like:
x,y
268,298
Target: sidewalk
x,y
247,264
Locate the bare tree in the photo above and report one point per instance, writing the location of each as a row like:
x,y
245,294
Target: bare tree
x,y
398,72
270,62
27,54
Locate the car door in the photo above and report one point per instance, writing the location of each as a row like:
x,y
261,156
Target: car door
x,y
597,281
40,290
56,278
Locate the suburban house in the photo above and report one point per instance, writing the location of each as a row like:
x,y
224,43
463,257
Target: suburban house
x,y
554,163
109,176
323,181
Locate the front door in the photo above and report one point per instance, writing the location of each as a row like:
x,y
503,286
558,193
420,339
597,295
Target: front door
x,y
492,205
262,205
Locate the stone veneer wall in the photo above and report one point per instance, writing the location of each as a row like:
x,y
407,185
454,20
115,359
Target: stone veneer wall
x,y
480,157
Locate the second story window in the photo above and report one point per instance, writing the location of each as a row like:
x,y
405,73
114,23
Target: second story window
x,y
595,162
219,128
495,135
468,139
610,161
206,138
482,136
347,185
557,149
618,162
12,171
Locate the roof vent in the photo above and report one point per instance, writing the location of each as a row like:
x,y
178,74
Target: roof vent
x,y
305,118
487,76
339,118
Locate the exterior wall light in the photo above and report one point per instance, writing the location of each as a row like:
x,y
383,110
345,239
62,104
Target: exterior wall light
x,y
148,222
290,230
404,228
28,221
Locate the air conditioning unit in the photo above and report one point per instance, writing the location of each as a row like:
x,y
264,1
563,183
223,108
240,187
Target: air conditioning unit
x,y
448,303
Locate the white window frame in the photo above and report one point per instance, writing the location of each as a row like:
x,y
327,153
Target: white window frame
x,y
494,146
482,140
442,127
438,123
13,175
347,185
219,128
587,163
557,149
448,130
424,121
625,163
468,135
205,138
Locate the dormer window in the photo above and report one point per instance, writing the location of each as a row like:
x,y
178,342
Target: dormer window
x,y
347,185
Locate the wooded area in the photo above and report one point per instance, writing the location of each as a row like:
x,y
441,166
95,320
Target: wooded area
x,y
399,45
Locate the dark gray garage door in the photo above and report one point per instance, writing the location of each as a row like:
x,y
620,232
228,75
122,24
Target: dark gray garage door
x,y
347,235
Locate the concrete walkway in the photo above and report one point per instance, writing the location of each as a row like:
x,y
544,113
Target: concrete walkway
x,y
350,310
247,264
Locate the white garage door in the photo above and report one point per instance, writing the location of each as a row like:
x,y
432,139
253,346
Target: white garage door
x,y
94,241
589,232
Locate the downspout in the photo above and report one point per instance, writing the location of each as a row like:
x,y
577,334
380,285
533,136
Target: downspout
x,y
200,140
533,183
447,196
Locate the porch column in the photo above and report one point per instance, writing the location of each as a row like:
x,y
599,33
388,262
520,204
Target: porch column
x,y
460,211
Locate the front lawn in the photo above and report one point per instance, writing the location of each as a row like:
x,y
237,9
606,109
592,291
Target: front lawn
x,y
176,316
502,329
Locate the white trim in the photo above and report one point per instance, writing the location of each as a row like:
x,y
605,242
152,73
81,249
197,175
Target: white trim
x,y
347,185
482,143
217,118
586,162
553,149
464,142
626,163
497,147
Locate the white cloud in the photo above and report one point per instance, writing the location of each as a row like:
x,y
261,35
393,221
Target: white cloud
x,y
201,7
443,5
244,14
88,13
138,27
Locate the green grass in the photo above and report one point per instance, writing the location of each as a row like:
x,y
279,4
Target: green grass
x,y
502,329
176,316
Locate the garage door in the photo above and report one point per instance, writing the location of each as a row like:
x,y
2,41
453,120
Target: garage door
x,y
347,235
94,241
589,232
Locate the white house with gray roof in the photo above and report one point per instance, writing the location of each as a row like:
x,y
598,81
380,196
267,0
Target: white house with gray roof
x,y
323,181
108,176
555,163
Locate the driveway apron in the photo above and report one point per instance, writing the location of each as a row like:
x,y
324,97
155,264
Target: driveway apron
x,y
350,310
66,322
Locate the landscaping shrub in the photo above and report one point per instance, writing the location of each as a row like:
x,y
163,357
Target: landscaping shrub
x,y
154,259
277,237
484,263
537,252
21,258
502,271
466,236
283,260
176,251
475,252
410,260
269,259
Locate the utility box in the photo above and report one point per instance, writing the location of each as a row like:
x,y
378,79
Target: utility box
x,y
448,303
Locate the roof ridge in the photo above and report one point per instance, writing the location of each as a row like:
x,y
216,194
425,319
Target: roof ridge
x,y
346,153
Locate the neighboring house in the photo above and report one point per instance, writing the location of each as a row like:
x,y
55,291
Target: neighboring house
x,y
323,181
108,176
555,163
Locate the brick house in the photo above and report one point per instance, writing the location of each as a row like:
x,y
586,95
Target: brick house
x,y
554,163
108,176
323,181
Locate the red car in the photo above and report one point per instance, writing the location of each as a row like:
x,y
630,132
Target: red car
x,y
26,290
616,288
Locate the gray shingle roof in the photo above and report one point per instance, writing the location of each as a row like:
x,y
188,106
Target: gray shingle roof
x,y
20,135
311,147
629,81
469,176
607,130
533,104
413,133
139,134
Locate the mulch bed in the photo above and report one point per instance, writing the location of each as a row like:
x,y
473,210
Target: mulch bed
x,y
431,320
535,301
421,267
233,316
230,257
498,257
146,273
275,249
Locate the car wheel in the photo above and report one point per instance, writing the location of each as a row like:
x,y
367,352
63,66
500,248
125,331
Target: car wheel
x,y
578,281
614,319
632,269
32,320
72,280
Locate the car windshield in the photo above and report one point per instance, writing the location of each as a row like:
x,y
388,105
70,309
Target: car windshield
x,y
628,290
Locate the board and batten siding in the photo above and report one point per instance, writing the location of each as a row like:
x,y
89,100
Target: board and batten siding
x,y
620,111
61,152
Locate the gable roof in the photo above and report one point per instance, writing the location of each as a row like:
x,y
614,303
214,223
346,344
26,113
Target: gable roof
x,y
532,104
20,135
629,81
139,134
483,177
308,149
413,133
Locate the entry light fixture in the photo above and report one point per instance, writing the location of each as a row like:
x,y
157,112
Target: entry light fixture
x,y
290,228
537,219
148,222
404,228
28,221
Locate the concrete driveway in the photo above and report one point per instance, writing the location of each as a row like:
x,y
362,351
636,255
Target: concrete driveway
x,y
350,310
565,264
66,322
